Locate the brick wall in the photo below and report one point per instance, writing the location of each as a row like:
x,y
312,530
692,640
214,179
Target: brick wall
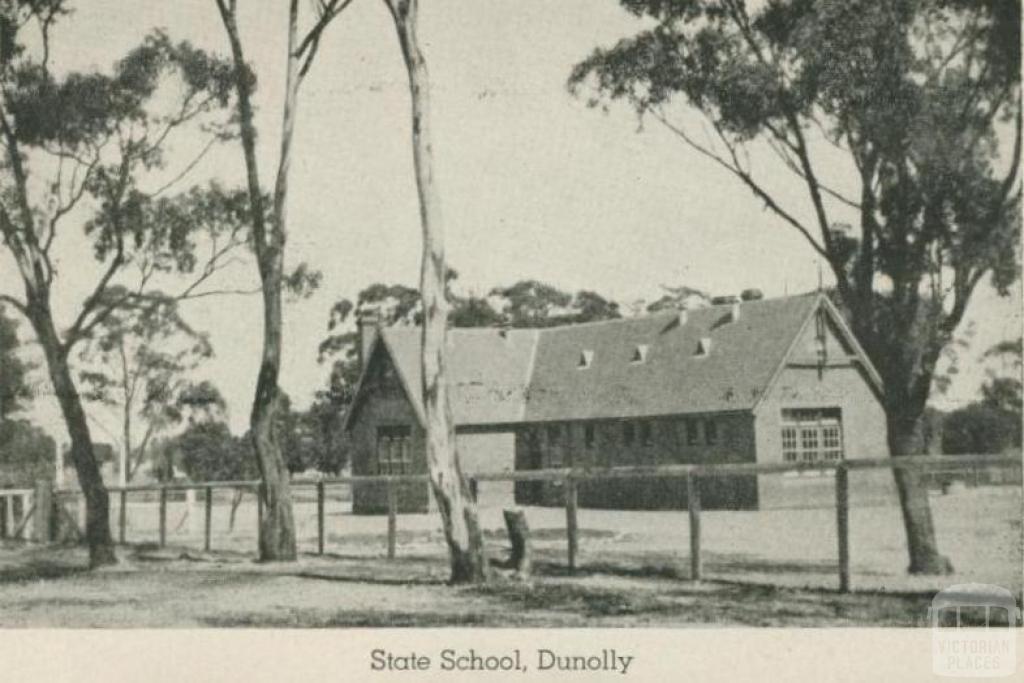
x,y
639,442
385,403
863,425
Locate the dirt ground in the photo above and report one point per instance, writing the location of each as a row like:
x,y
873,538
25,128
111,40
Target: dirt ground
x,y
760,568
979,529
48,587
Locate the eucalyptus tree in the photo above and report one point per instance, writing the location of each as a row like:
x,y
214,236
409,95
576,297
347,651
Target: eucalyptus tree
x,y
451,488
86,144
269,220
918,100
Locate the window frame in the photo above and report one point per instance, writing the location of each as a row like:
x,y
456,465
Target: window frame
x,y
692,431
710,432
646,433
394,449
628,433
812,435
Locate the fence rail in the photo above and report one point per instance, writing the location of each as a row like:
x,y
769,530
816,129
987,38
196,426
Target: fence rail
x,y
571,478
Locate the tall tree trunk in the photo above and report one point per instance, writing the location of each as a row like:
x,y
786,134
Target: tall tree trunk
x,y
277,538
97,502
906,437
451,490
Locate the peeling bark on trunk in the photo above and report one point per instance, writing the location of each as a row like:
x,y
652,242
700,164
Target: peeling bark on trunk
x,y
97,502
451,489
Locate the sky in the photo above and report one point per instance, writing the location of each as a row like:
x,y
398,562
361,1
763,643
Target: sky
x,y
534,184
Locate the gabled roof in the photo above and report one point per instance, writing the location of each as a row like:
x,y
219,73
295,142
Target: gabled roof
x,y
644,366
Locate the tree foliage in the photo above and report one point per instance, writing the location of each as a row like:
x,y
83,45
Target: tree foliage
x,y
15,391
916,95
27,453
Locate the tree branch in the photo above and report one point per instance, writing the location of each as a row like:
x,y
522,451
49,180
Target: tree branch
x,y
14,303
747,179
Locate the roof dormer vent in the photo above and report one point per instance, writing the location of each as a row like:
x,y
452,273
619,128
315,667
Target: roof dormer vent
x,y
640,353
703,346
586,359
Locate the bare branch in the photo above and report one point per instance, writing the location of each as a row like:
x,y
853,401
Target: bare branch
x,y
186,170
747,179
15,303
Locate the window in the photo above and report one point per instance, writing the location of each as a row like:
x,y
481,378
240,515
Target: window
x,y
710,432
692,436
394,456
790,452
554,435
812,435
628,433
646,433
588,436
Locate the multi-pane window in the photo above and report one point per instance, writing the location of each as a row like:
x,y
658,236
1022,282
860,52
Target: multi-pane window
x,y
554,435
812,435
394,455
692,436
710,432
556,455
790,451
646,433
628,433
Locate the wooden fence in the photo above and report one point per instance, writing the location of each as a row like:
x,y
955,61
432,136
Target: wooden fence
x,y
571,478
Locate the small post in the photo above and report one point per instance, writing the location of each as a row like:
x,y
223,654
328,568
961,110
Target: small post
x,y
259,517
392,519
208,518
43,522
122,517
843,525
474,489
4,514
693,506
320,500
82,512
571,525
163,516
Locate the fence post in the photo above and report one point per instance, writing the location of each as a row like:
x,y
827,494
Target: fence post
x,y
122,517
693,507
163,515
320,500
208,518
259,518
474,489
82,512
571,526
3,515
392,518
43,522
843,525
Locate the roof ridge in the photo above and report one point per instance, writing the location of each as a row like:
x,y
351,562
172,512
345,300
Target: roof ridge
x,y
608,321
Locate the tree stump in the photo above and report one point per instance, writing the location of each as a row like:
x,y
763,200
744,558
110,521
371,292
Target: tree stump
x,y
519,535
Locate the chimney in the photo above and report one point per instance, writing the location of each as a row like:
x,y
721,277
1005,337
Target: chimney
x,y
368,325
752,294
683,316
734,314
